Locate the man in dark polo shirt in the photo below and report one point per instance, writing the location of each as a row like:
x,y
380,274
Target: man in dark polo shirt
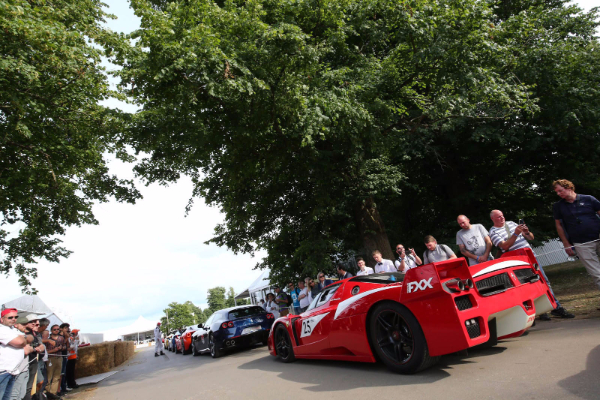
x,y
578,225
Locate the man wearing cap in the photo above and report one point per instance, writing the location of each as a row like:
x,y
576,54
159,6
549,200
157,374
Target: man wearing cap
x,y
32,323
72,360
13,347
158,340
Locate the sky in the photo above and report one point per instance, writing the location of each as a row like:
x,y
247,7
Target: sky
x,y
140,257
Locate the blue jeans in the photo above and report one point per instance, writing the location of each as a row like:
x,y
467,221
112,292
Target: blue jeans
x,y
550,287
6,383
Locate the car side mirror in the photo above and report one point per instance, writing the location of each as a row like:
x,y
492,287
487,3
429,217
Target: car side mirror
x,y
200,326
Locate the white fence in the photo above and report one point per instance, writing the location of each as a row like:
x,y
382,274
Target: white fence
x,y
552,252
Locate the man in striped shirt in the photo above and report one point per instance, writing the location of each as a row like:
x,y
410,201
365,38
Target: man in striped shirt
x,y
508,236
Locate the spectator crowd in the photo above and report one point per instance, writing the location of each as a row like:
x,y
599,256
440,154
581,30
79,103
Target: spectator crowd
x,y
36,361
577,219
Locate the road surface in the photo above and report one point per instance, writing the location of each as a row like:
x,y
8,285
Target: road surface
x,y
555,360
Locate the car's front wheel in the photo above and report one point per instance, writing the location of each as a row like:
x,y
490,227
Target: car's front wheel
x,y
283,345
398,340
194,349
215,352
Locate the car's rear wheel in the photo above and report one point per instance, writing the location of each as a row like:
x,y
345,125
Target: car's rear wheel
x,y
183,351
215,352
398,340
283,345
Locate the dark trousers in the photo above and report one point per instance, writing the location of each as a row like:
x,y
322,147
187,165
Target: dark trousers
x,y
33,367
71,373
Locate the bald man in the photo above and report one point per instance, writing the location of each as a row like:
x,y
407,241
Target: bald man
x,y
473,241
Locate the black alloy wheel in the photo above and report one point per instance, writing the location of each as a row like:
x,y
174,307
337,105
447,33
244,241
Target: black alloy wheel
x,y
283,345
398,340
215,352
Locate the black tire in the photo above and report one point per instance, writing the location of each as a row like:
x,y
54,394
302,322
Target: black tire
x,y
183,350
283,345
215,352
398,340
194,350
265,342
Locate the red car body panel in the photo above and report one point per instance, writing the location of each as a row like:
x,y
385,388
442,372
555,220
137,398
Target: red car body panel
x,y
337,329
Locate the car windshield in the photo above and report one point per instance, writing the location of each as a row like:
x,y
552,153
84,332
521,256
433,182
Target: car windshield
x,y
384,278
323,297
245,312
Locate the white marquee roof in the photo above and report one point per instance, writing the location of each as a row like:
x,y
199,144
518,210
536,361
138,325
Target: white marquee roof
x,y
139,325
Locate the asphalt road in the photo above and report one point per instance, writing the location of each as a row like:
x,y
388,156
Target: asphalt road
x,y
554,360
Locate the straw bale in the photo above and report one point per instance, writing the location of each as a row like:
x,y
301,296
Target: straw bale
x,y
95,359
123,352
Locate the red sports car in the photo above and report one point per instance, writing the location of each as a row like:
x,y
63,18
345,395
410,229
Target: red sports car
x,y
409,321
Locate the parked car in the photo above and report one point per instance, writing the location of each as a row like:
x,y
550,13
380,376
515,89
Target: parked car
x,y
409,321
186,339
232,328
168,341
173,346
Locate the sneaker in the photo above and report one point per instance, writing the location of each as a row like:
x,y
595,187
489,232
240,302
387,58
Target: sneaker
x,y
162,354
155,354
561,313
69,389
545,317
75,386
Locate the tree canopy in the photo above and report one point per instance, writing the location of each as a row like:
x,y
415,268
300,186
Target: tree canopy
x,y
327,128
54,134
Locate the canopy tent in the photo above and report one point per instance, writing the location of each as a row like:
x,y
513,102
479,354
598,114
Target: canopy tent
x,y
141,326
257,290
28,304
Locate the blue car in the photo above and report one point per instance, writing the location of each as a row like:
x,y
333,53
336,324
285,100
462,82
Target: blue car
x,y
232,328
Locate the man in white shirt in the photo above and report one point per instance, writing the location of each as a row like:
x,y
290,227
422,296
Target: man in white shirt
x,y
406,259
383,265
13,348
303,297
363,270
473,241
158,344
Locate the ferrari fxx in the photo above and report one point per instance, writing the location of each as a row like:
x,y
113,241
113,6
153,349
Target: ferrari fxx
x,y
232,328
186,339
409,321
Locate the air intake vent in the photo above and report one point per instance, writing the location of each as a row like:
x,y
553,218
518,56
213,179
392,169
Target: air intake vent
x,y
525,275
494,284
463,302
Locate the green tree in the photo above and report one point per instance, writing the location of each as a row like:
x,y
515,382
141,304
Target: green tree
x,y
181,315
216,299
54,134
231,302
310,123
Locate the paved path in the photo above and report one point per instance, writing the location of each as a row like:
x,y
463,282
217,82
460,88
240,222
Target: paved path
x,y
555,360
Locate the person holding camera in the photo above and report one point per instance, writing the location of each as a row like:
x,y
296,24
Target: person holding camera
x,y
406,259
509,236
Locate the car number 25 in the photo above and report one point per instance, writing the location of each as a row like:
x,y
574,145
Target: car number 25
x,y
309,324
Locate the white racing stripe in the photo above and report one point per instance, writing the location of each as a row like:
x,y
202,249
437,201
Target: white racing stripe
x,y
346,303
500,265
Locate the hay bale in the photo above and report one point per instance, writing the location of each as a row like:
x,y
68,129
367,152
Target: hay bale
x,y
95,359
123,352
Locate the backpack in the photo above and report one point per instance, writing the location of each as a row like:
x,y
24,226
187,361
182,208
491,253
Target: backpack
x,y
290,302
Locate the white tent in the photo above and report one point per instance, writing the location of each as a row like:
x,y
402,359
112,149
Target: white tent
x,y
258,289
28,304
139,326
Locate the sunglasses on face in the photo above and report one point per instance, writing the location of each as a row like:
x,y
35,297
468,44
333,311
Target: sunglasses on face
x,y
12,317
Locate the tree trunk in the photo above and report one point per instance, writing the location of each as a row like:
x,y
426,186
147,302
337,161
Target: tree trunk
x,y
372,231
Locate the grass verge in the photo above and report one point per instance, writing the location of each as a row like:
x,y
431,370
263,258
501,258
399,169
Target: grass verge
x,y
575,289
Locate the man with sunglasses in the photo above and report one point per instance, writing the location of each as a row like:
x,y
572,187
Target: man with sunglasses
x,y
13,348
322,282
32,324
55,361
